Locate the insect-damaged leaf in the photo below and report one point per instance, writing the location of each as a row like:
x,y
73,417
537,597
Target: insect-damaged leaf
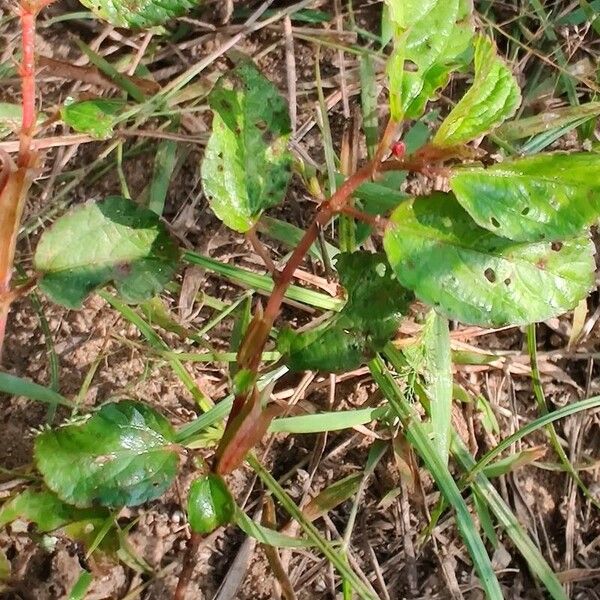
x,y
471,275
113,240
247,165
430,34
493,97
96,117
139,14
123,455
544,197
369,319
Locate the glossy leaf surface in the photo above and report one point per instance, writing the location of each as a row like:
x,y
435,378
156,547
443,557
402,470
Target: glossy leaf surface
x,y
476,277
544,197
210,504
123,455
493,98
430,34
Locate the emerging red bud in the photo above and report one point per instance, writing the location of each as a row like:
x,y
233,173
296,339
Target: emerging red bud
x,y
398,149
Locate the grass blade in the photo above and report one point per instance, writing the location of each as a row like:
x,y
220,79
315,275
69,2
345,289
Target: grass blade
x,y
417,436
218,412
101,63
312,532
16,386
438,380
540,398
203,401
548,121
263,283
327,421
485,490
265,535
539,423
79,590
368,99
164,165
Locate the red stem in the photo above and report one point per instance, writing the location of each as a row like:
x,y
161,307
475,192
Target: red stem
x,y
257,333
327,210
28,15
15,182
189,562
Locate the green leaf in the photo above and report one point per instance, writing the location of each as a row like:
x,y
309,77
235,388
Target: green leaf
x,y
139,14
81,587
265,535
113,240
544,197
247,165
210,504
96,117
493,98
370,317
471,275
123,455
46,510
431,34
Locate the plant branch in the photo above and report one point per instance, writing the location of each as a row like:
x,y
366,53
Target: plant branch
x,y
189,562
15,180
246,416
257,336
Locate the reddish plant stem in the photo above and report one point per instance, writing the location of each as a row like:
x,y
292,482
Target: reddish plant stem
x,y
189,562
384,145
28,85
375,221
327,210
15,180
235,442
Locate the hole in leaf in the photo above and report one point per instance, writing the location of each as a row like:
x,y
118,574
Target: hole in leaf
x,y
495,222
525,211
507,281
490,274
556,246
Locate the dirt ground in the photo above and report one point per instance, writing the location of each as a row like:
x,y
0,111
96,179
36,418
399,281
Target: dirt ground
x,y
96,342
